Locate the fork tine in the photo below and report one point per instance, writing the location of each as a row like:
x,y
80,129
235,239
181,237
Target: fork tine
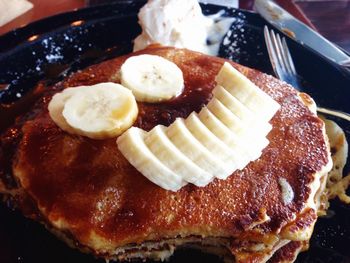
x,y
288,56
271,51
280,58
278,50
284,56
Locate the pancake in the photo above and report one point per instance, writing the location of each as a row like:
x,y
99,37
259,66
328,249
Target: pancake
x,y
336,183
289,252
87,193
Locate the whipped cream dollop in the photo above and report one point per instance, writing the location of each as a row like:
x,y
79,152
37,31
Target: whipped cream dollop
x,y
181,24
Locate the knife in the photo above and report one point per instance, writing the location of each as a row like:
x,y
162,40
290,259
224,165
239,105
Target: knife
x,y
297,30
227,3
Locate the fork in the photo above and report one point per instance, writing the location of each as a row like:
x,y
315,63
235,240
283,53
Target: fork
x,y
283,66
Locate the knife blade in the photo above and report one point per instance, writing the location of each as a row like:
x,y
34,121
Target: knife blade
x,y
297,30
228,3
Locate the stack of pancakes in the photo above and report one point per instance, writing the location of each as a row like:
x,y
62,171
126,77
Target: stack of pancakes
x,y
87,193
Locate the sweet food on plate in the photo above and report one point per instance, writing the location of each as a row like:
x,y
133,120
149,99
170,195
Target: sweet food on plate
x,y
88,194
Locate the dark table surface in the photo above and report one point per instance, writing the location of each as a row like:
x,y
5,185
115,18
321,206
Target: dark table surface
x,y
331,18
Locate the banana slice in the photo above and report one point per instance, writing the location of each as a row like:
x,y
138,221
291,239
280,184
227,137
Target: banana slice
x,y
241,111
227,117
250,148
99,111
212,143
252,142
56,106
235,124
131,144
184,140
152,78
174,159
226,135
233,104
247,92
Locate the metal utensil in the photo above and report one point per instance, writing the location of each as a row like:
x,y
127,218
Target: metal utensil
x,y
297,30
283,66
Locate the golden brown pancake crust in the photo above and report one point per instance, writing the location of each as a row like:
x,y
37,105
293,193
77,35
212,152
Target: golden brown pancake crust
x,y
91,187
288,253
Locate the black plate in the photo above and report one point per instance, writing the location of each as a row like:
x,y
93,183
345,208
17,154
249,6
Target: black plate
x,y
52,48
